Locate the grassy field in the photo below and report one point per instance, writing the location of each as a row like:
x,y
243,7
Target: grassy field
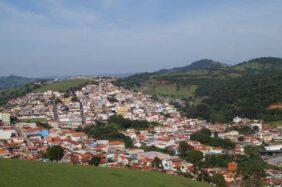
x,y
170,90
30,173
64,85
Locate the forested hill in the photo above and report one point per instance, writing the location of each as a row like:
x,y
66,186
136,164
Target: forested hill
x,y
218,92
198,65
14,81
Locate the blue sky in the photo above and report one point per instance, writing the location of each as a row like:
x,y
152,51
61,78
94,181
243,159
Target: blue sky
x,y
70,37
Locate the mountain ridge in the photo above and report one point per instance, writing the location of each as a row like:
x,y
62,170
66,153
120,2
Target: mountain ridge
x,y
218,92
197,65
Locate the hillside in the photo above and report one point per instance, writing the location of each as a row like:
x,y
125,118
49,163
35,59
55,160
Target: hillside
x,y
217,92
259,65
11,93
198,65
30,173
14,81
63,86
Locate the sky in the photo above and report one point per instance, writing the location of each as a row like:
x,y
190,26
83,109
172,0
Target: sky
x,y
43,38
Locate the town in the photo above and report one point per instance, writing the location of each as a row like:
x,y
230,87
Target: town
x,y
104,125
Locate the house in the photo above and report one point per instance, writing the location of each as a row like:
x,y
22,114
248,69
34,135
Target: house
x,y
265,136
229,177
116,146
29,132
232,166
258,125
6,134
4,153
216,151
237,119
151,155
186,167
167,164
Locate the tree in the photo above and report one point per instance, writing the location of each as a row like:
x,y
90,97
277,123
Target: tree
x,y
201,137
194,157
218,180
14,119
217,160
241,138
256,129
184,148
112,99
55,152
215,134
128,142
253,151
95,160
204,136
204,176
157,163
252,167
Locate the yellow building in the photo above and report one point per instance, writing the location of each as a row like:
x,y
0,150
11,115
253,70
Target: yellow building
x,y
122,110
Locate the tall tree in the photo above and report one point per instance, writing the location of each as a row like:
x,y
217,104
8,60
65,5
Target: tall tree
x,y
55,153
95,160
184,148
157,163
194,157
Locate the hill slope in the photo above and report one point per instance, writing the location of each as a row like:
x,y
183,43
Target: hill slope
x,y
14,81
63,86
29,173
198,65
217,92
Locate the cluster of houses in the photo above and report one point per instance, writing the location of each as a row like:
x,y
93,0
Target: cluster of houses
x,y
30,137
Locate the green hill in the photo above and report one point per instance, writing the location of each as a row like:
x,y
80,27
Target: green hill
x,y
259,65
198,65
64,85
218,92
30,173
14,81
11,93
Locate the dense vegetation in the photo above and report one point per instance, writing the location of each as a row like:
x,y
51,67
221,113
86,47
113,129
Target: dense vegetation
x,y
248,96
168,151
111,130
122,123
29,173
14,81
250,166
55,153
204,136
217,92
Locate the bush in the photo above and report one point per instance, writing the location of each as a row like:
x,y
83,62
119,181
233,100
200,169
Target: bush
x,y
55,152
194,157
95,160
